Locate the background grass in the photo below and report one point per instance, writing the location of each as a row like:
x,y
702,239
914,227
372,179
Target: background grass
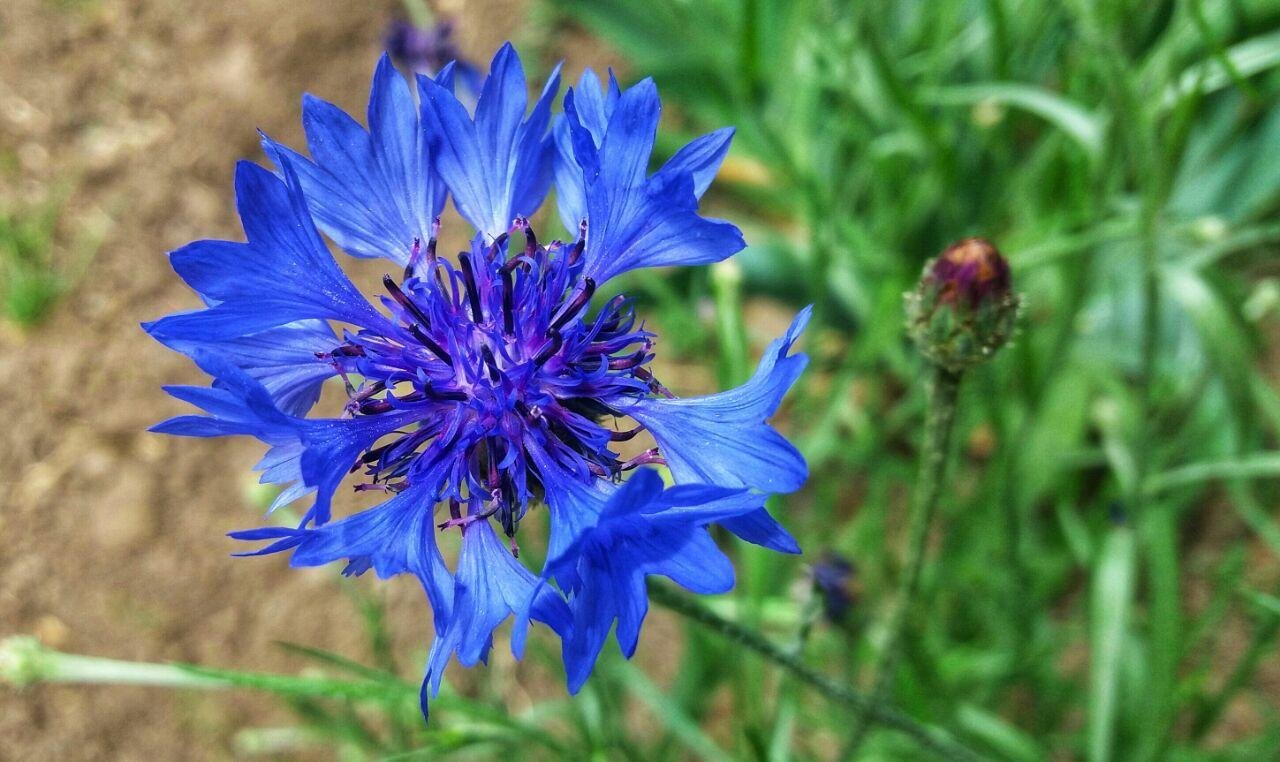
x,y
1126,158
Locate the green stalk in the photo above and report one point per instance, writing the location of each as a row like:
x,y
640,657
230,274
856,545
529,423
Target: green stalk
x,y
419,12
880,713
25,661
942,389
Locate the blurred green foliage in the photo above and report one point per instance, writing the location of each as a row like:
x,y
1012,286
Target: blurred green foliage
x,y
1125,156
29,283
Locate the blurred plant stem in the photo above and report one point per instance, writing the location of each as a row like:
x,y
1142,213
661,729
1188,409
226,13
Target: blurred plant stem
x,y
726,285
419,12
25,661
874,711
942,389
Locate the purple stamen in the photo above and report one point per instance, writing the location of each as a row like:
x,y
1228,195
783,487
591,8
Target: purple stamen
x,y
490,363
473,294
554,342
430,344
508,297
631,361
496,247
648,457
404,301
415,254
572,307
625,436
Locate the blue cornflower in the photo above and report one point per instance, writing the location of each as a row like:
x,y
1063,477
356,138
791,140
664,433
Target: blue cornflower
x,y
482,386
428,49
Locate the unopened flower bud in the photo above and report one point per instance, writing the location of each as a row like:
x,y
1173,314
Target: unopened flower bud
x,y
963,309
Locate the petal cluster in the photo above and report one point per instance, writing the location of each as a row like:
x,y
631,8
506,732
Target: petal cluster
x,y
484,385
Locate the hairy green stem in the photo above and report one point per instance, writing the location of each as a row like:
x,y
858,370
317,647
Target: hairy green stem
x,y
942,389
931,738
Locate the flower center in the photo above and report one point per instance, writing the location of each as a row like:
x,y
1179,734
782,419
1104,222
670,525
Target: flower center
x,y
499,357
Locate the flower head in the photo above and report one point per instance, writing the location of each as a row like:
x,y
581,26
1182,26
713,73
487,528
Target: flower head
x,y
484,385
963,309
970,271
835,578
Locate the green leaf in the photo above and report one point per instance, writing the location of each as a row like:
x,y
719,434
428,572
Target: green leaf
x,y
684,728
1248,58
1085,127
1002,736
290,685
1268,603
1111,601
334,660
1262,465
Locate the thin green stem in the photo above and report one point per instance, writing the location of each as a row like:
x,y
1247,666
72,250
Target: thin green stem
x,y
24,661
931,738
942,390
419,12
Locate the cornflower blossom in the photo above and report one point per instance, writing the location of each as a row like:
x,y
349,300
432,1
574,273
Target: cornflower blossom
x,y
481,387
428,49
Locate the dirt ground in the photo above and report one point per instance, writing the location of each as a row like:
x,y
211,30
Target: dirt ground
x,y
112,538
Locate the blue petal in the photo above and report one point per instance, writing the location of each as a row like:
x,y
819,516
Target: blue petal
x,y
282,464
283,359
723,438
374,193
575,506
333,444
591,110
695,564
571,195
643,530
634,221
239,404
236,401
700,159
595,103
700,504
323,448
760,528
395,537
655,225
491,585
497,166
616,590
628,140
384,533
283,274
285,538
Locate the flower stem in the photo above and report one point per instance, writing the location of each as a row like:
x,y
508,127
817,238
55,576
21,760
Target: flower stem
x,y
24,661
931,738
942,389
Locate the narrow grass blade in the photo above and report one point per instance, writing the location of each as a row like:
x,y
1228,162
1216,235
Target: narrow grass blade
x,y
1084,126
1111,603
682,727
